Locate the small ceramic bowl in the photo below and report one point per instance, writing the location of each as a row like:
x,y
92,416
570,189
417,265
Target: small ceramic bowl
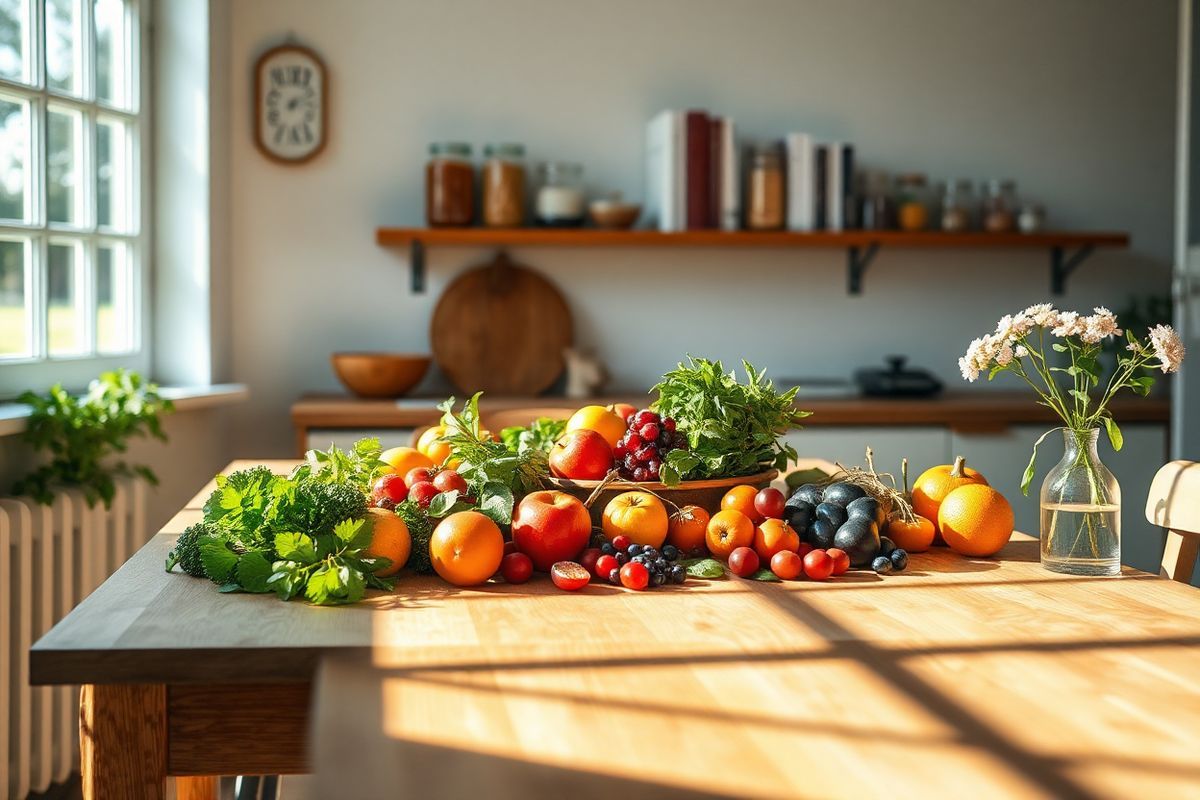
x,y
379,374
614,214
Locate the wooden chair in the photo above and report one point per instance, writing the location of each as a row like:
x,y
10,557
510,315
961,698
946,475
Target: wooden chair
x,y
1174,503
497,421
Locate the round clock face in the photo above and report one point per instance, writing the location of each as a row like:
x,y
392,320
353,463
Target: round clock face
x,y
290,98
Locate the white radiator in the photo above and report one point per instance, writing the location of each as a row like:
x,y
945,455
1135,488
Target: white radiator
x,y
51,557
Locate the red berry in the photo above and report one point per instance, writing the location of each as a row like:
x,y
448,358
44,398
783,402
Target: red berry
x,y
632,441
645,417
619,452
649,432
631,462
743,562
621,542
422,493
605,565
769,502
510,547
588,559
646,452
516,567
652,467
635,576
818,565
449,480
787,565
389,487
418,475
641,474
668,424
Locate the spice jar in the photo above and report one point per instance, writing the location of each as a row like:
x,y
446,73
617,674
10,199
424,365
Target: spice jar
x,y
1000,207
878,212
449,185
1032,218
503,185
559,201
958,206
912,198
764,204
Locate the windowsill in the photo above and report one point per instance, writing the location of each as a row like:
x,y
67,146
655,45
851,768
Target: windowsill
x,y
185,398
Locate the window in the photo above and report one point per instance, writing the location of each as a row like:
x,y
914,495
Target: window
x,y
71,168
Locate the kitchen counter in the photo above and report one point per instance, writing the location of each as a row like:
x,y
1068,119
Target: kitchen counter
x,y
961,412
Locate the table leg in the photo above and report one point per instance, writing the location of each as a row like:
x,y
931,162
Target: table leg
x,y
123,741
201,787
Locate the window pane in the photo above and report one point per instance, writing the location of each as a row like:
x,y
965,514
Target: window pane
x,y
114,298
64,289
14,311
64,184
112,53
14,39
14,158
114,174
64,51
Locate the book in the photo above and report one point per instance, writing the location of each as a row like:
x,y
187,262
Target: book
x,y
714,171
801,182
730,217
820,187
665,171
697,170
839,186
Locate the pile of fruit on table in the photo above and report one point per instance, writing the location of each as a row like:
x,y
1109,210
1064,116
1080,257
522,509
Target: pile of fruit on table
x,y
473,506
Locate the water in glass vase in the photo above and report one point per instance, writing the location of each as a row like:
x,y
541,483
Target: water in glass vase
x,y
1081,511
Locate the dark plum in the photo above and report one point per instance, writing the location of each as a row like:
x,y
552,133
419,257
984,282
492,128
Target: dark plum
x,y
808,493
799,516
860,539
882,565
821,534
867,507
886,546
843,493
832,513
899,559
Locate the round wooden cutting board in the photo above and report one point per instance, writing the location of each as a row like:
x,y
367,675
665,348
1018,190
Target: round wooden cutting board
x,y
501,329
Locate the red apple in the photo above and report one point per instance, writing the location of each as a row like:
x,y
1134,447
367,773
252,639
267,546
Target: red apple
x,y
581,454
551,526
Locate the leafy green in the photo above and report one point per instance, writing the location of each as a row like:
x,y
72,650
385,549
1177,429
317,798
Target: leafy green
x,y
328,570
420,529
732,428
186,552
81,434
541,434
765,575
704,568
358,467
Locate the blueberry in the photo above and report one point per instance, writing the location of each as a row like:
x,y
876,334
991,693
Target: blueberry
x,y
622,558
886,546
649,552
678,573
832,513
607,549
882,565
899,559
640,559
660,563
670,552
614,577
634,549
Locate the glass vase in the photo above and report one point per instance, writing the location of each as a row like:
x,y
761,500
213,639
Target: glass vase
x,y
1081,511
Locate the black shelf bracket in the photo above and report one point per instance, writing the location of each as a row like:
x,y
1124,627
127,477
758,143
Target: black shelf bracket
x,y
416,265
1062,265
856,266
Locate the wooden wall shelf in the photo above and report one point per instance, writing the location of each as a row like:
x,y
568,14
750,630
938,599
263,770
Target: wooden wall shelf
x,y
1067,248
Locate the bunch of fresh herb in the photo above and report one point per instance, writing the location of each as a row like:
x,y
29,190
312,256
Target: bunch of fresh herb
x,y
358,467
541,434
420,529
732,428
80,434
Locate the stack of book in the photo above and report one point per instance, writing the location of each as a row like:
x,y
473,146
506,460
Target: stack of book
x,y
694,177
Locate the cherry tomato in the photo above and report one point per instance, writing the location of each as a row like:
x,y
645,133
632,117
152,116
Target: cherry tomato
x,y
841,560
448,480
787,565
818,565
743,562
422,493
418,475
605,565
635,576
390,487
621,543
769,502
569,576
516,567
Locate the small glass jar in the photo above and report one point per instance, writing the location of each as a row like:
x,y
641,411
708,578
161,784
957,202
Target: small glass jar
x,y
449,185
1032,218
764,187
559,201
958,206
1000,206
503,185
878,212
912,202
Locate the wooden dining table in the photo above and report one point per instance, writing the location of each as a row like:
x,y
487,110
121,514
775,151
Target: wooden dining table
x,y
959,676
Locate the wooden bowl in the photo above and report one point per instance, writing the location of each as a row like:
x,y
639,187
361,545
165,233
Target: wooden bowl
x,y
379,374
614,215
707,493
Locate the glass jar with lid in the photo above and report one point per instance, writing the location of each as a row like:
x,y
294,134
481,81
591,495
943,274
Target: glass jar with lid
x,y
1000,206
764,188
958,206
503,185
878,212
559,202
912,202
449,185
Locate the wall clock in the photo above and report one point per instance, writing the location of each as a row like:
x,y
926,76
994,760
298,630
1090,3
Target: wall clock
x,y
290,109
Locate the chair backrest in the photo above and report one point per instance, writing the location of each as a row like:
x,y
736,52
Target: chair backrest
x,y
1174,503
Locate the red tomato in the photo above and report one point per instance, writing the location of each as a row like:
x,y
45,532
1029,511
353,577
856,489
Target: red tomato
x,y
787,565
769,502
516,567
743,562
588,559
422,493
390,487
418,475
818,565
841,560
634,576
448,480
605,565
569,576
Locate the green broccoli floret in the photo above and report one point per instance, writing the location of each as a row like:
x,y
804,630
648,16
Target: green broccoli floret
x,y
186,552
420,529
315,507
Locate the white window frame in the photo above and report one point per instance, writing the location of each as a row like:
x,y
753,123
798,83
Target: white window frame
x,y
41,370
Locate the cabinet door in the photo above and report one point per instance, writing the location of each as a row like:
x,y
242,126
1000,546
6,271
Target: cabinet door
x,y
922,446
1003,457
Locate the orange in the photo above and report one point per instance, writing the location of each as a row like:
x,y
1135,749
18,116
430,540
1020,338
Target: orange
x,y
975,520
433,447
687,528
728,530
638,515
915,537
401,459
603,421
389,539
741,498
937,482
466,548
774,536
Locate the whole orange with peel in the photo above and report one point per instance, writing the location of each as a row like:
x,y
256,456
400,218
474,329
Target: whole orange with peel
x,y
774,536
639,515
434,447
402,459
975,520
603,421
935,483
687,529
466,548
728,530
741,498
915,536
389,539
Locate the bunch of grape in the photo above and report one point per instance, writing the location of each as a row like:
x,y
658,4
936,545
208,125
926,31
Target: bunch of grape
x,y
640,452
636,566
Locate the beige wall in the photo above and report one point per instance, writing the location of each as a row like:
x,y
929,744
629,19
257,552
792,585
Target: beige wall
x,y
1073,98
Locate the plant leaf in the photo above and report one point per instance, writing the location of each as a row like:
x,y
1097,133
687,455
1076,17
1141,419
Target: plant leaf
x,y
442,502
219,561
295,547
704,568
254,572
1114,433
765,575
1027,478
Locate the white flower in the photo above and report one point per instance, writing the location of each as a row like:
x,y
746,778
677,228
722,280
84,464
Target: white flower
x,y
1021,351
1043,314
978,358
969,373
1013,327
1004,355
1167,346
1100,326
1069,324
1134,346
